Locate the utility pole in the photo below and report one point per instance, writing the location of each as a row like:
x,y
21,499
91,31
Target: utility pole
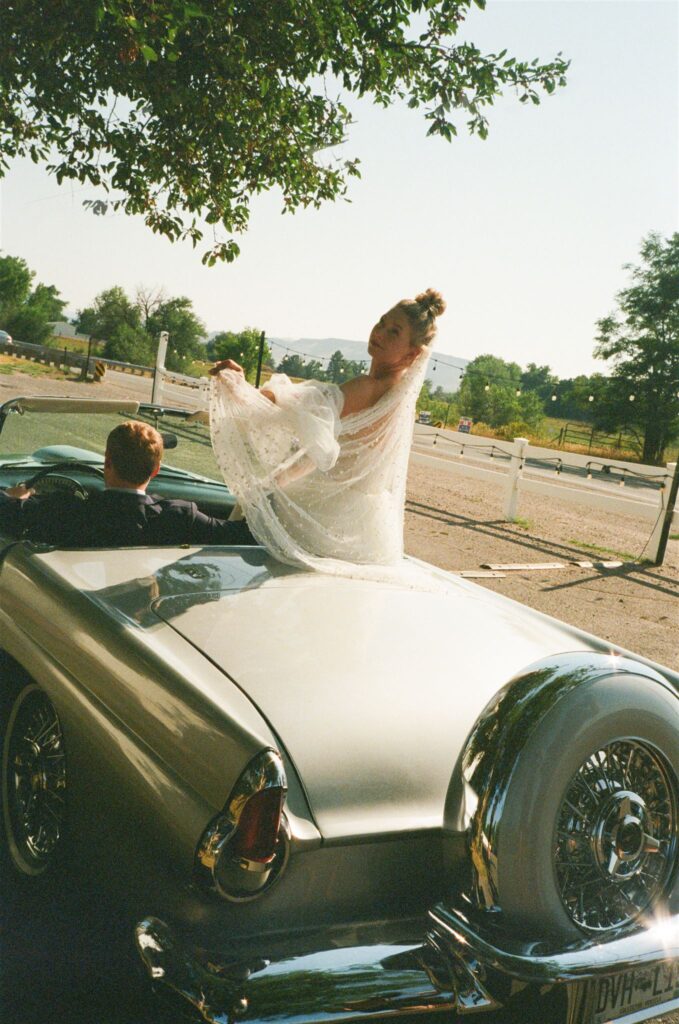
x,y
669,515
259,359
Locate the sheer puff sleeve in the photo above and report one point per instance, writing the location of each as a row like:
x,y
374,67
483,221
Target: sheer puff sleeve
x,y
260,443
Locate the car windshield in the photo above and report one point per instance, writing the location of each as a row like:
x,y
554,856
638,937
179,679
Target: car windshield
x,y
25,433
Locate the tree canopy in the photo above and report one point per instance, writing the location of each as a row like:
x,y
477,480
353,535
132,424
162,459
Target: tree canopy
x,y
181,110
131,328
242,347
176,316
110,310
642,341
26,314
491,391
295,365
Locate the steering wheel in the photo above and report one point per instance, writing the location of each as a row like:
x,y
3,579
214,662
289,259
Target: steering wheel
x,y
60,481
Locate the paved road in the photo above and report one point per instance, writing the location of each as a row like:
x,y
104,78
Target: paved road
x,y
137,387
427,439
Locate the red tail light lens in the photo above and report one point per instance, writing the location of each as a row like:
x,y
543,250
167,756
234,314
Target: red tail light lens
x,y
258,826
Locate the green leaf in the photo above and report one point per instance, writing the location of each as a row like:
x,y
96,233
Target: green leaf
x,y
244,111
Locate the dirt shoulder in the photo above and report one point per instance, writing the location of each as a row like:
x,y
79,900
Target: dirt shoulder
x,y
456,523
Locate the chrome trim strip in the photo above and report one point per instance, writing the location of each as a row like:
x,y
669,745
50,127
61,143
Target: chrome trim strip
x,y
501,731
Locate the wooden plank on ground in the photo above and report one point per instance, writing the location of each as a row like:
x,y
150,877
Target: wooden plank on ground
x,y
524,566
586,564
480,574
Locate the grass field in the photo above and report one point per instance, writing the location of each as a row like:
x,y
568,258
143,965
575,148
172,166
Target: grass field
x,y
11,364
548,434
76,345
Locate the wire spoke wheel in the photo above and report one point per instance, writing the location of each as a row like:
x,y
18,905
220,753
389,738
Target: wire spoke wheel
x,y
33,781
616,840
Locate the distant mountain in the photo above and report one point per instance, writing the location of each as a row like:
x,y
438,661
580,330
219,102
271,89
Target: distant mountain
x,y
440,374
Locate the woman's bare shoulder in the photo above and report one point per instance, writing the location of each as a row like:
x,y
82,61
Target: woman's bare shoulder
x,y
360,393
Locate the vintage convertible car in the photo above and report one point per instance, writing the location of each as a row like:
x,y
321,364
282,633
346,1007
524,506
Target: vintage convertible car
x,y
336,799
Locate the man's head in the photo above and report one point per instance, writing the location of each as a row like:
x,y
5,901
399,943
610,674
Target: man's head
x,y
133,454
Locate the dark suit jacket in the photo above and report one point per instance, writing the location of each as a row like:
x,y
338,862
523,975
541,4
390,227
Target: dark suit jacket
x,y
115,519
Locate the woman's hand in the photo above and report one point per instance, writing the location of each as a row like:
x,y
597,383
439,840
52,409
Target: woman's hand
x,y
226,364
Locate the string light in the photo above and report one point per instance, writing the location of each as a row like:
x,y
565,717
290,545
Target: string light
x,y
435,360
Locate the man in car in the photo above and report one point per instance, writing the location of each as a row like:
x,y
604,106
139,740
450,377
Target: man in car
x,y
122,515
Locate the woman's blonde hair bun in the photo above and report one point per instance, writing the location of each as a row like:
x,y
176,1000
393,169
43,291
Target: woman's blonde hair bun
x,y
432,302
422,312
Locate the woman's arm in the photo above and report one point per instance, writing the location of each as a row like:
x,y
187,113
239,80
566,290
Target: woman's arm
x,y
359,393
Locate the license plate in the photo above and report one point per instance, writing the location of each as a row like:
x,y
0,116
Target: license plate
x,y
616,996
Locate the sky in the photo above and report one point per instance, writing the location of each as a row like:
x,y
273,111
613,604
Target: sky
x,y
525,233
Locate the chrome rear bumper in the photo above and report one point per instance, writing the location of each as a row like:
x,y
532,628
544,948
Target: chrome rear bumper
x,y
457,966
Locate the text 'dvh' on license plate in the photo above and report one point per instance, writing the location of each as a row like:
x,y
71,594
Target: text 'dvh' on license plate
x,y
616,996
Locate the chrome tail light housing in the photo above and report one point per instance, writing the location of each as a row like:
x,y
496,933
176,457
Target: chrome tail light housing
x,y
244,850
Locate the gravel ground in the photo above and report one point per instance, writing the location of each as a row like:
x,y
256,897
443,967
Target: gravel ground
x,y
457,524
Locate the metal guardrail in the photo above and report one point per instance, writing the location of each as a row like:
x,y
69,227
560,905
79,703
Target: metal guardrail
x,y
65,357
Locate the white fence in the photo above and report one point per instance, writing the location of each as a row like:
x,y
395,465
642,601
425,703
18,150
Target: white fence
x,y
506,464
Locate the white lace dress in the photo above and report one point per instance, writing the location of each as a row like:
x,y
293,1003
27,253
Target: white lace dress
x,y
317,490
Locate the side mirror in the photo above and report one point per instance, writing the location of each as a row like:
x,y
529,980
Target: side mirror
x,y
169,441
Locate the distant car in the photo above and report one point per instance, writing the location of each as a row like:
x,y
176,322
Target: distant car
x,y
424,416
5,338
464,425
327,799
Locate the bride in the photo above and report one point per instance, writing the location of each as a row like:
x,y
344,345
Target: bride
x,y
319,470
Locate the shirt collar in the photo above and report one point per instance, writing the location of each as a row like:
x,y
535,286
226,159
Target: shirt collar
x,y
127,490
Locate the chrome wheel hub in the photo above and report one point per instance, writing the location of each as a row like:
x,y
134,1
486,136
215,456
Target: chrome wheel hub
x,y
34,781
616,840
